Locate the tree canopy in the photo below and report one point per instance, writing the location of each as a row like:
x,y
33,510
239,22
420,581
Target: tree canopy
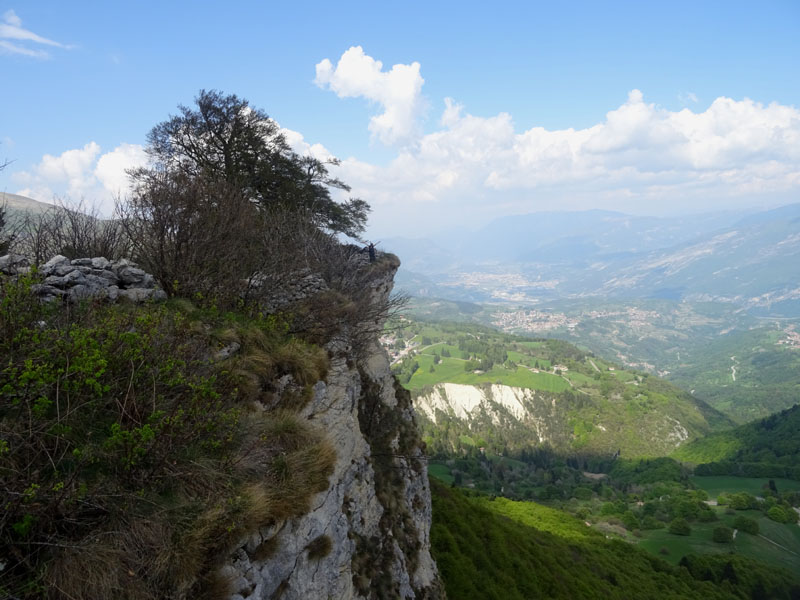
x,y
224,139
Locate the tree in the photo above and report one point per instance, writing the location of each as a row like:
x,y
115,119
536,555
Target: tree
x,y
722,535
746,524
225,139
680,526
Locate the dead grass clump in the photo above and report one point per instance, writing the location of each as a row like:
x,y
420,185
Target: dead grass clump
x,y
319,547
306,363
92,569
297,476
266,549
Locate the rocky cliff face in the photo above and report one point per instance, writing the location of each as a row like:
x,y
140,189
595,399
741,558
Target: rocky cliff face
x,y
496,404
367,535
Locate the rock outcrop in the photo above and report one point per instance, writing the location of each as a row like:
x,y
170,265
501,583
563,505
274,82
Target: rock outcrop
x,y
367,535
82,278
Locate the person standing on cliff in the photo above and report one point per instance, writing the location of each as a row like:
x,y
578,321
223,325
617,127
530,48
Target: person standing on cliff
x,y
371,250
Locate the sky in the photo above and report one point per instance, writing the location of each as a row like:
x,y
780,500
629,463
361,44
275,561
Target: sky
x,y
443,114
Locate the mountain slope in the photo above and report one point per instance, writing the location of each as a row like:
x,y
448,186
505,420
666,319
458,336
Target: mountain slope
x,y
508,550
476,387
766,448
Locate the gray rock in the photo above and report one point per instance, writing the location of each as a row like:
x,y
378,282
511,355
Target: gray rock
x,y
96,280
63,268
48,267
101,263
131,275
112,293
55,280
83,262
12,264
136,295
228,351
350,509
46,290
159,295
80,292
107,274
75,277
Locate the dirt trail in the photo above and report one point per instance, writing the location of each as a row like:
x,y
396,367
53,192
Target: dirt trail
x,y
594,365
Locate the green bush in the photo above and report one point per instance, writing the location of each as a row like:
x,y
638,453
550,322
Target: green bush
x,y
780,515
680,526
746,524
122,442
722,535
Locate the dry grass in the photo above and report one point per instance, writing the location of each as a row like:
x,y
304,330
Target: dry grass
x,y
319,547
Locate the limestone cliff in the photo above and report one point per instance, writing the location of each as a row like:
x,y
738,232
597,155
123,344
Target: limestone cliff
x,y
367,535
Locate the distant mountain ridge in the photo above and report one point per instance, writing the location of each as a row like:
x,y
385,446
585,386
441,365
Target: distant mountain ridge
x,y
751,260
15,203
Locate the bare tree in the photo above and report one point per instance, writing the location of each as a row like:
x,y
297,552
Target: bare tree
x,y
75,231
196,236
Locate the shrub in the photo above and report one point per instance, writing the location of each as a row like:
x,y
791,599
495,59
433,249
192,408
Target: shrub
x,y
746,524
649,522
125,449
680,526
722,535
319,547
779,515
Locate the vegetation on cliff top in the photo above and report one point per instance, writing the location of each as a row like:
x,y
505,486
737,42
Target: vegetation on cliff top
x,y
138,443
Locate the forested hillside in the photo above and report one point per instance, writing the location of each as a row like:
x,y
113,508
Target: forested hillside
x,y
504,550
769,447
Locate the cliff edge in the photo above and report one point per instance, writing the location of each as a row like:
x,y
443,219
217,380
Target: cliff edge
x,y
367,535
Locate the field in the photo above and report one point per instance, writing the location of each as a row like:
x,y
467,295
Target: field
x,y
752,485
776,544
451,369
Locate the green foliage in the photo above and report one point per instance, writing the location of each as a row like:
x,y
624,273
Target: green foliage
x,y
766,448
512,550
618,410
766,372
781,514
251,153
722,535
123,442
746,524
679,526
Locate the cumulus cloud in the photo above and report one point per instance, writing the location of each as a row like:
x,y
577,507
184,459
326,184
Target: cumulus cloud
x,y
640,158
300,146
397,91
82,174
15,39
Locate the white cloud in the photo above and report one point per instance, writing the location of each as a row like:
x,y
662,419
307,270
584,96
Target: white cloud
x,y
82,174
111,167
398,91
300,146
640,158
24,40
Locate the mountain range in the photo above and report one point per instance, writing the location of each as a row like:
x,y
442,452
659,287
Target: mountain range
x,y
749,260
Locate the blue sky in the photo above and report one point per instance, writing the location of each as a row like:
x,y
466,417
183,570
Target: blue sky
x,y
474,110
